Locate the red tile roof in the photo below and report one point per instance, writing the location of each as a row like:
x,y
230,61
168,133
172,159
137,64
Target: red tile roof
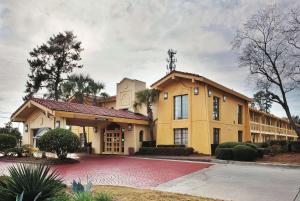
x,y
88,109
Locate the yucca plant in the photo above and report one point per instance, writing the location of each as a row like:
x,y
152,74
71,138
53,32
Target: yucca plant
x,y
32,180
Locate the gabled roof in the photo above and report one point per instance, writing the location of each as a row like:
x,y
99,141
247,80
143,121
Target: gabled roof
x,y
52,105
197,77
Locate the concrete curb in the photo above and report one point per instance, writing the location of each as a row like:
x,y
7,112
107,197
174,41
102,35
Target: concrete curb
x,y
282,165
218,161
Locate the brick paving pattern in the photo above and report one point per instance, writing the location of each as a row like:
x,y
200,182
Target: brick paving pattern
x,y
123,171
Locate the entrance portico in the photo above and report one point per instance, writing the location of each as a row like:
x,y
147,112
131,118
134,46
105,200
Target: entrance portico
x,y
110,131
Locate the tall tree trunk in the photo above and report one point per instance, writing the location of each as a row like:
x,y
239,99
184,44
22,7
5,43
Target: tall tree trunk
x,y
151,123
291,120
84,136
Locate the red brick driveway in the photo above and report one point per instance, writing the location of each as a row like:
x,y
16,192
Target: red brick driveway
x,y
124,171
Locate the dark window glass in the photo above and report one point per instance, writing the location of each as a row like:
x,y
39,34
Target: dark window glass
x,y
216,136
141,136
240,114
181,136
216,108
181,107
240,136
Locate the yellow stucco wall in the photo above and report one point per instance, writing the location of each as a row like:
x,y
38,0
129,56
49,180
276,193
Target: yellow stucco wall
x,y
37,119
200,122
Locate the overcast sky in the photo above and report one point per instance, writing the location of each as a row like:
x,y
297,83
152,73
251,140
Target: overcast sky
x,y
129,39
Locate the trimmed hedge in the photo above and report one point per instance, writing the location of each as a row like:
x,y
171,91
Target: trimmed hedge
x,y
260,152
262,144
7,141
59,141
224,153
229,144
169,151
244,153
239,151
295,146
171,145
15,151
149,144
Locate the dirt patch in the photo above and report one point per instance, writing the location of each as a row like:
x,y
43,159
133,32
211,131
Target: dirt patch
x,y
133,194
292,158
33,160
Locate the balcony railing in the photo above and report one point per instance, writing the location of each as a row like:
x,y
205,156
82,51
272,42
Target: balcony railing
x,y
263,128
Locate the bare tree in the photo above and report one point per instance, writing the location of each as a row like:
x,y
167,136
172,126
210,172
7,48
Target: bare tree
x,y
268,46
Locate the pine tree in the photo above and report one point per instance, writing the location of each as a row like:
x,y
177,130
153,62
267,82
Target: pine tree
x,y
50,63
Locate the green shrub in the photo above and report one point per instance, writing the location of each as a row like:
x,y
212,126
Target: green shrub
x,y
284,144
229,144
59,141
244,153
295,146
171,145
32,180
149,144
14,151
170,151
224,153
260,152
7,142
253,146
262,144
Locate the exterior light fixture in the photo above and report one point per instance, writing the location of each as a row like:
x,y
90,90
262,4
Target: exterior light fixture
x,y
26,128
196,90
57,124
209,92
129,127
224,98
165,95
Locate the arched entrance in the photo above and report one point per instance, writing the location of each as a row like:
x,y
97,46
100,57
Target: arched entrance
x,y
114,139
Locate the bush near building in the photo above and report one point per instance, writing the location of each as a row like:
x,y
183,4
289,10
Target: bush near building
x,y
59,141
295,146
238,151
7,142
166,150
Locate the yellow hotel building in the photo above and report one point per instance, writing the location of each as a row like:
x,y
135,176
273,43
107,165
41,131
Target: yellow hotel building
x,y
191,110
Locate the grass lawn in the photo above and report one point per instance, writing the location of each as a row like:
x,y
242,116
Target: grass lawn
x,y
292,158
128,194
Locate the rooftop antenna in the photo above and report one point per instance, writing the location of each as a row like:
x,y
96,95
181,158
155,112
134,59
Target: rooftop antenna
x,y
171,66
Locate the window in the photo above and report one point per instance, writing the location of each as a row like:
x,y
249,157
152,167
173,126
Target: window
x,y
216,137
240,114
181,107
240,136
181,136
216,108
81,138
141,136
57,124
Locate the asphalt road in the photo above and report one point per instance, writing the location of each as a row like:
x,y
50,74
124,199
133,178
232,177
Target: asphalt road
x,y
239,183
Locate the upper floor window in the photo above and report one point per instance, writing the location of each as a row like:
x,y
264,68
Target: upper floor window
x,y
240,114
216,108
181,107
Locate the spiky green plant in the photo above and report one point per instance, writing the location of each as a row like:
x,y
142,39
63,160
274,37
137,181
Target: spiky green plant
x,y
32,180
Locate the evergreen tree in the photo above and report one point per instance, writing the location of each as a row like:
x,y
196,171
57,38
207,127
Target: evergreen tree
x,y
50,63
262,101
